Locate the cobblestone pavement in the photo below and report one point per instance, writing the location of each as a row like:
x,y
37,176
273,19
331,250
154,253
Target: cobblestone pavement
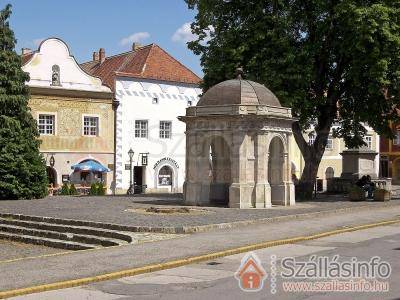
x,y
122,209
14,250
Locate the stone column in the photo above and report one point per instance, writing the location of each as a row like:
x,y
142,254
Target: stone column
x,y
196,186
289,186
262,187
237,190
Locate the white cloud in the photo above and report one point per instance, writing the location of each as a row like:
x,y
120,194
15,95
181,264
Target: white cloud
x,y
137,37
184,34
37,42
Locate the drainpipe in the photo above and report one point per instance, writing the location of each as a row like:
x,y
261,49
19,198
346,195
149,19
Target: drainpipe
x,y
115,105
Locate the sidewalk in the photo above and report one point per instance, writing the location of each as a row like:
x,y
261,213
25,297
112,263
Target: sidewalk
x,y
49,269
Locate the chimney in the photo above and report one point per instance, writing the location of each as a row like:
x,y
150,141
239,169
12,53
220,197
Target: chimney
x,y
95,56
136,46
26,51
102,55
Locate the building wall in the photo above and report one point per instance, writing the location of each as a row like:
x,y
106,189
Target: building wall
x,y
136,103
68,145
390,156
59,87
331,157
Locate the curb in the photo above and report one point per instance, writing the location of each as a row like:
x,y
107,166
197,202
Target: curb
x,y
205,228
182,262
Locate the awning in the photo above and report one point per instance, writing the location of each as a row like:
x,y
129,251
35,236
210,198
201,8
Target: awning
x,y
90,166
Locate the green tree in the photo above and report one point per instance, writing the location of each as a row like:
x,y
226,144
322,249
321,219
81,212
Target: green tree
x,y
22,168
330,60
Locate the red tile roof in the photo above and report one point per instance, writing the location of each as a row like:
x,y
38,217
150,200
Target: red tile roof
x,y
26,57
148,62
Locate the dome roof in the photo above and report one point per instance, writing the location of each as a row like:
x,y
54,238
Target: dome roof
x,y
238,91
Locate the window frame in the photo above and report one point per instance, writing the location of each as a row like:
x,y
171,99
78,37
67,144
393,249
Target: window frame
x,y
162,131
54,116
329,141
140,136
369,143
396,140
313,139
98,129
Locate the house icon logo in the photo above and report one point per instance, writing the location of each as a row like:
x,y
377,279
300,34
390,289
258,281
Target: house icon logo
x,y
251,274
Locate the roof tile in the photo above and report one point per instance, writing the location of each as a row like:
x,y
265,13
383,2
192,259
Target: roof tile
x,y
148,62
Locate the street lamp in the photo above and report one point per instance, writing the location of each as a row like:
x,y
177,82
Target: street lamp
x,y
130,153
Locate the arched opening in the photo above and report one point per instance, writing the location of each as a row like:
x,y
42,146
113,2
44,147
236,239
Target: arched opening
x,y
165,176
51,176
329,173
220,171
276,171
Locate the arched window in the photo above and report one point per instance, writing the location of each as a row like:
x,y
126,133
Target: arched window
x,y
329,173
165,176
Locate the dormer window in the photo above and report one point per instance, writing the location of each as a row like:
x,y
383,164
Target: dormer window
x,y
155,100
55,75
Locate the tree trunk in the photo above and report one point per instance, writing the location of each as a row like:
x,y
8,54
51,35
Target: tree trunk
x,y
312,155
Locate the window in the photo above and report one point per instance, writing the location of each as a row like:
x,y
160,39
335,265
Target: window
x,y
311,139
189,103
165,176
90,126
165,129
329,173
46,124
396,140
368,141
329,143
155,100
141,128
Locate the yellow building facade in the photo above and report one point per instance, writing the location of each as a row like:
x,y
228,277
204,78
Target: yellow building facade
x,y
75,115
331,163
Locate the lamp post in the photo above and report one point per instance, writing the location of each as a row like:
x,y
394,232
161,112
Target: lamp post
x,y
130,153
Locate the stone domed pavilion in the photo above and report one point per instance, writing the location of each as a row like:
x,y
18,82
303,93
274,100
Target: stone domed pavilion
x,y
237,147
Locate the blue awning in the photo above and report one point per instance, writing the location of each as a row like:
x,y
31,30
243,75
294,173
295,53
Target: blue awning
x,y
90,166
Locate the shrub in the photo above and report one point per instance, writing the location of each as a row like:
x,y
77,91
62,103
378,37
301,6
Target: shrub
x,y
93,189
65,190
72,190
100,189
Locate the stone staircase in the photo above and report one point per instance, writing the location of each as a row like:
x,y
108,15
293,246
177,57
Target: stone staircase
x,y
59,233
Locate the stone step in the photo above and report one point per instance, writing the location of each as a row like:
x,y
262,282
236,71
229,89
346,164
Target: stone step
x,y
80,230
54,243
80,238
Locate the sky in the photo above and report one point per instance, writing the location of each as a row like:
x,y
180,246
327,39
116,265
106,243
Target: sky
x,y
87,25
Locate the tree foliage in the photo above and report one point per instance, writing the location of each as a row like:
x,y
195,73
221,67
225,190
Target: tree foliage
x,y
22,168
330,60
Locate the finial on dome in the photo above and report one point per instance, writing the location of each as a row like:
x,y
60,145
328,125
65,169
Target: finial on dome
x,y
239,73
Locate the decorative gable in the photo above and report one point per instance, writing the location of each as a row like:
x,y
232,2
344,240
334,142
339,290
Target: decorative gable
x,y
53,66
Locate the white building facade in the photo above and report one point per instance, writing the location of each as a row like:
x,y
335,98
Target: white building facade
x,y
152,89
147,123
